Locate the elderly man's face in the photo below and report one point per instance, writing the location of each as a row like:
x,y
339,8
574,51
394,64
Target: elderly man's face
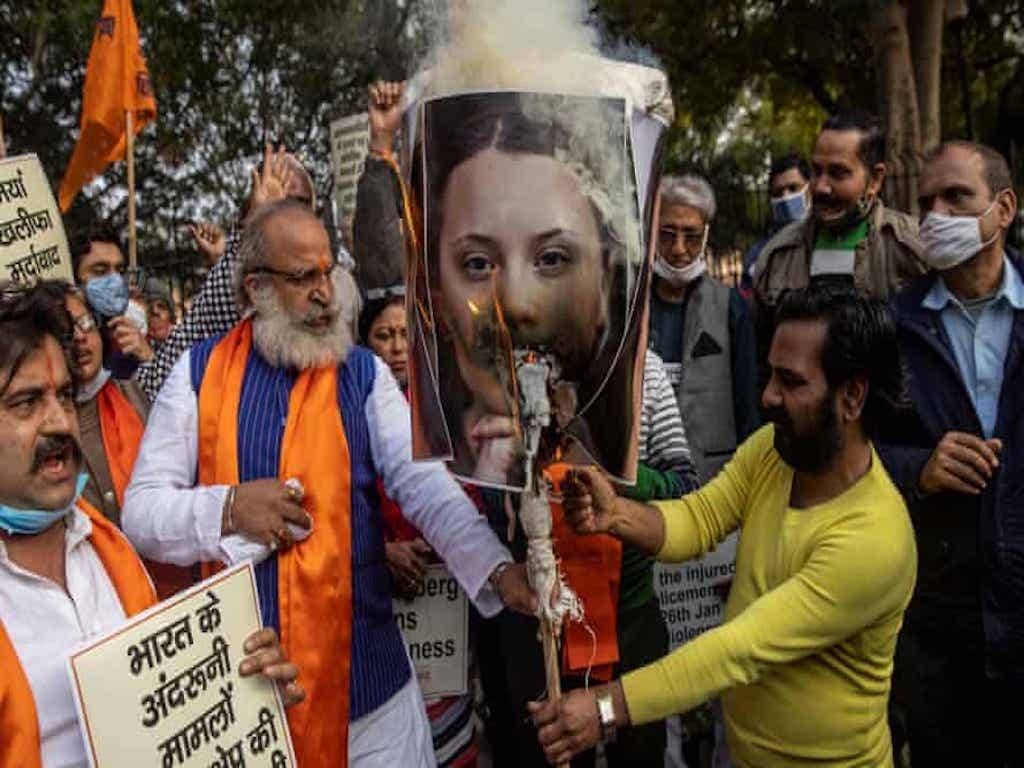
x,y
39,454
680,234
299,264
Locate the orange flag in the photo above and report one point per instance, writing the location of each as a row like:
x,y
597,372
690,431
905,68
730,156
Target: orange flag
x,y
116,80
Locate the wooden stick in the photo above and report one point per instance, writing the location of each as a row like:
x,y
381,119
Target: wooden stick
x,y
130,157
551,672
3,144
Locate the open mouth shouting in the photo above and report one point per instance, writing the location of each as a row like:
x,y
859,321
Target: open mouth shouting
x,y
57,458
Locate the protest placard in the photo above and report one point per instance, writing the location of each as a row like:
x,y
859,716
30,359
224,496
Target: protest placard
x,y
164,688
32,240
435,625
692,594
350,141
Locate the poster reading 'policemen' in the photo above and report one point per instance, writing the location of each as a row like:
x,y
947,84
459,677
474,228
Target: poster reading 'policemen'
x,y
164,689
532,250
32,241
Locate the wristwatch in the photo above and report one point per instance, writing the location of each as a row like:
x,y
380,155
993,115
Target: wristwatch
x,y
606,712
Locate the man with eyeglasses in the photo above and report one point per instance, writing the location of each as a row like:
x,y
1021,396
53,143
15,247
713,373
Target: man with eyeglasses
x,y
281,176
702,329
266,443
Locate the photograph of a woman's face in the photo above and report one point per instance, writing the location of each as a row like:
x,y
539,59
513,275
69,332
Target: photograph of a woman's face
x,y
531,246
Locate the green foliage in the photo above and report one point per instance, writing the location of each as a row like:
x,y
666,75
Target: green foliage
x,y
228,75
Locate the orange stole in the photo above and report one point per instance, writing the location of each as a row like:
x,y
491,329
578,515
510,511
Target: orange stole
x,y
19,723
121,428
314,576
593,568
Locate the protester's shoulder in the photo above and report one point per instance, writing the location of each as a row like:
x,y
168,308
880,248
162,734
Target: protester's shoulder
x,y
363,369
758,452
135,395
904,229
790,236
787,243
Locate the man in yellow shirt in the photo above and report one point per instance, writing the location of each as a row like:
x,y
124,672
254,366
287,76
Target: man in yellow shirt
x,y
824,570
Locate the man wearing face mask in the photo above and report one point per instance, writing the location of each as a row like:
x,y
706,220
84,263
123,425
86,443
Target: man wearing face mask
x,y
701,329
789,196
99,265
850,238
960,464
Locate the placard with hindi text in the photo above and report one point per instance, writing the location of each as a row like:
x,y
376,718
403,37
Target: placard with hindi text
x,y
32,240
164,689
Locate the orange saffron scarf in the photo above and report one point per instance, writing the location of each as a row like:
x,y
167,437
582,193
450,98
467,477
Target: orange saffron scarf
x,y
315,575
19,723
593,568
121,428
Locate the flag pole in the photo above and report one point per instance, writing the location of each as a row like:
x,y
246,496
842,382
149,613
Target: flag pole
x,y
130,156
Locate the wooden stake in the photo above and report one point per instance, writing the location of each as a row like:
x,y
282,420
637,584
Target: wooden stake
x,y
554,678
130,157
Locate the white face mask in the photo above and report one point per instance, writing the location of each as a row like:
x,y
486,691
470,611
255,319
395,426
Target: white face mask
x,y
949,241
682,276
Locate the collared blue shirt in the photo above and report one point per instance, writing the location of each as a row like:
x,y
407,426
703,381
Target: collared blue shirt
x,y
980,346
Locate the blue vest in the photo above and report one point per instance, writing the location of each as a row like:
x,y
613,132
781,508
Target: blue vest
x,y
379,663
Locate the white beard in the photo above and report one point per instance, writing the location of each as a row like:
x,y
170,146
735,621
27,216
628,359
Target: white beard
x,y
285,341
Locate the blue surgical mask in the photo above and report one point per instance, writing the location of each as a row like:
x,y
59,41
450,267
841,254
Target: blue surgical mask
x,y
107,295
26,522
792,207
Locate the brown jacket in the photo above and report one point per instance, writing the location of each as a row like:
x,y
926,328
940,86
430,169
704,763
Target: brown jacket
x,y
100,490
884,262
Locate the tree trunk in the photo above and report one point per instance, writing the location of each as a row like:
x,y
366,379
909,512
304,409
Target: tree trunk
x,y
898,98
929,18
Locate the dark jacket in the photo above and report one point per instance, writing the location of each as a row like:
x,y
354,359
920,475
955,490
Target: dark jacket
x,y
970,588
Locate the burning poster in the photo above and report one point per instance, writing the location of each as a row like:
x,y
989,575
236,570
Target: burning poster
x,y
527,292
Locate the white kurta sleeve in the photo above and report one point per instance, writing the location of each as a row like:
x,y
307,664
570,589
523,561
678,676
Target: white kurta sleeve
x,y
166,516
429,496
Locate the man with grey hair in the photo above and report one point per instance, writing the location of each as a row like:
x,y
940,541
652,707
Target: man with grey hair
x,y
266,444
701,328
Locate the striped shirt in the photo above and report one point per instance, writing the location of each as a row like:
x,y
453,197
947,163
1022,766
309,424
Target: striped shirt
x,y
663,444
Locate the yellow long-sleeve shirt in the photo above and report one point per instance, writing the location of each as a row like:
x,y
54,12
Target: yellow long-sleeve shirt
x,y
804,658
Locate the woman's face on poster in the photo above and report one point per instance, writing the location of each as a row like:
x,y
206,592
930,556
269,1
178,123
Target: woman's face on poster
x,y
518,235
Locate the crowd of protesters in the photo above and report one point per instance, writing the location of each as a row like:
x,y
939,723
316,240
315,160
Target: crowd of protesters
x,y
850,412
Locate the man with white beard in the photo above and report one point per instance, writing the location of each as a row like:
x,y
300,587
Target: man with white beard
x,y
266,443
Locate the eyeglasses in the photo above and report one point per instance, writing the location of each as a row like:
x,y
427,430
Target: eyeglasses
x,y
668,236
304,279
85,323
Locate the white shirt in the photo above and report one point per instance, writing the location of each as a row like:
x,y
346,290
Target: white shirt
x,y
170,519
45,624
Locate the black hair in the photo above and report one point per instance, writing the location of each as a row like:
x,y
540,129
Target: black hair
x,y
28,315
871,149
861,340
371,311
81,242
788,162
997,170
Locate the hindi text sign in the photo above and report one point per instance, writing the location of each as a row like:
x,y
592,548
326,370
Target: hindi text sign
x,y
32,240
350,142
164,689
435,625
